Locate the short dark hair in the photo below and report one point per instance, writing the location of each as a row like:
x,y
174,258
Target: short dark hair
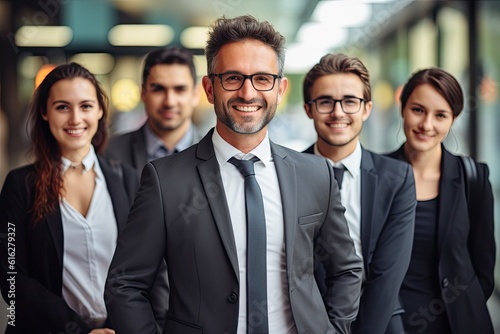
x,y
334,63
225,31
170,55
440,80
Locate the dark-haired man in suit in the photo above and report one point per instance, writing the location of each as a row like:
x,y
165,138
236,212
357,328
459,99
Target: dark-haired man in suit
x,y
170,94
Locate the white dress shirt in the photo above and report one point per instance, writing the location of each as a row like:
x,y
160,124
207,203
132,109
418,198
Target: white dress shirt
x,y
350,195
89,244
279,310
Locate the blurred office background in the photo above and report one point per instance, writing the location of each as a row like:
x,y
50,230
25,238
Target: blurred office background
x,y
392,38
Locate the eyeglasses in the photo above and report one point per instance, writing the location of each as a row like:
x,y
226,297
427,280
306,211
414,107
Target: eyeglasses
x,y
325,105
234,81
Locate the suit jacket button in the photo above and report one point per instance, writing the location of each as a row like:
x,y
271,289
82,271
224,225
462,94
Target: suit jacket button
x,y
445,283
233,297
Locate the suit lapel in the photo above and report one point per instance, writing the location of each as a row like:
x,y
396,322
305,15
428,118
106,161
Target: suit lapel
x,y
117,193
450,189
54,223
139,152
288,188
211,180
369,180
310,149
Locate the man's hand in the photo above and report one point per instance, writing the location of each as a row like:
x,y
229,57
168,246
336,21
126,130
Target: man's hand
x,y
102,331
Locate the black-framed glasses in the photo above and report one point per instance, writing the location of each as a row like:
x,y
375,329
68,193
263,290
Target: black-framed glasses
x,y
325,105
234,81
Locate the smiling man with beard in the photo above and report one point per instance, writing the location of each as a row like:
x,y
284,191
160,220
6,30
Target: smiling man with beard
x,y
239,242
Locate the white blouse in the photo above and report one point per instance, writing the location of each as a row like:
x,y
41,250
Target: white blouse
x,y
89,245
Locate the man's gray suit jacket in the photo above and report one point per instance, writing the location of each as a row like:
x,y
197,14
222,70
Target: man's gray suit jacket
x,y
181,215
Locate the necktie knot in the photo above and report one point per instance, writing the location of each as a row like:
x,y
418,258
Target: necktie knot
x,y
246,167
339,174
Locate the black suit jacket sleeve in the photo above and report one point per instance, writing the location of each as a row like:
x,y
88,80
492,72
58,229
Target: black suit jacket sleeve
x,y
135,263
481,242
39,306
37,309
390,260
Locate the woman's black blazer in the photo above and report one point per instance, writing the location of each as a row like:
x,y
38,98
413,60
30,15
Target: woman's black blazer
x,y
466,247
33,286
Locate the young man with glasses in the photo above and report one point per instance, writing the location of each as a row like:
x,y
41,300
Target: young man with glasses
x,y
377,192
237,218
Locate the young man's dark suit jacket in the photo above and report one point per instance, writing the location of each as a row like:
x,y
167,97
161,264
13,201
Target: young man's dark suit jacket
x,y
466,249
191,229
39,306
130,148
388,202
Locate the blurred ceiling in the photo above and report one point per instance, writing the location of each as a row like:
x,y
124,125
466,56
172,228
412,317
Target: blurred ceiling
x,y
285,15
311,27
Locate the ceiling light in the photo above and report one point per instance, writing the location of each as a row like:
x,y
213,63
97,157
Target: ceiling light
x,y
42,73
301,57
125,95
376,1
194,37
326,35
342,13
29,65
96,63
141,35
200,63
43,36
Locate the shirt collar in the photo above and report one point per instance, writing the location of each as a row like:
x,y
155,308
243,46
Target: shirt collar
x,y
153,143
225,151
88,161
352,162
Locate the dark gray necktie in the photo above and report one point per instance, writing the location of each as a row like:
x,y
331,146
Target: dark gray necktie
x,y
257,321
339,174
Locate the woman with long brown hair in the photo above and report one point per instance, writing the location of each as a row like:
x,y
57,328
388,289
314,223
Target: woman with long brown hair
x,y
60,216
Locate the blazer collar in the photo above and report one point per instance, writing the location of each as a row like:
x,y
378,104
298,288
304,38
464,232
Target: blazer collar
x,y
139,152
450,193
287,179
205,149
115,185
450,190
211,180
310,149
369,179
54,223
399,154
